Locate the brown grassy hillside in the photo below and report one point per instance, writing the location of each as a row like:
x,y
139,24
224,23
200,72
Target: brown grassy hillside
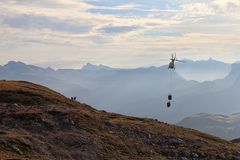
x,y
37,123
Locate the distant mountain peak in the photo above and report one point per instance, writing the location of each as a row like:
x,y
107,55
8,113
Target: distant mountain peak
x,y
90,66
187,60
210,59
16,66
15,63
20,67
50,69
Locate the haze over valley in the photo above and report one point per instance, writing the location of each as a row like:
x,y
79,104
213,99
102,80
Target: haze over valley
x,y
141,91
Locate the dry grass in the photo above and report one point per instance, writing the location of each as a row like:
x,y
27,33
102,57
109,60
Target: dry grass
x,y
46,125
30,94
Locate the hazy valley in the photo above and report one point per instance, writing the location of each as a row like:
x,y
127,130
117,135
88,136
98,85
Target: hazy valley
x,y
141,91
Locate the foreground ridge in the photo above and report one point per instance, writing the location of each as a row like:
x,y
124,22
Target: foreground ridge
x,y
38,123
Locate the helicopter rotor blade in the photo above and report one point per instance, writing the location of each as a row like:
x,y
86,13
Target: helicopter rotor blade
x,y
180,61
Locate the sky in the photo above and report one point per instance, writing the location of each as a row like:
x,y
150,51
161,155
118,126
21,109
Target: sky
x,y
122,34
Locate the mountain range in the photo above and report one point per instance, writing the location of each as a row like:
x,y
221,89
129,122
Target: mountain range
x,y
227,127
204,70
140,91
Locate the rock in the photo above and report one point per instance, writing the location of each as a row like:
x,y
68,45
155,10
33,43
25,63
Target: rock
x,y
186,153
221,156
195,155
175,142
236,157
17,150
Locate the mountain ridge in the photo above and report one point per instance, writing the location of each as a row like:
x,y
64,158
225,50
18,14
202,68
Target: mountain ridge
x,y
137,92
224,126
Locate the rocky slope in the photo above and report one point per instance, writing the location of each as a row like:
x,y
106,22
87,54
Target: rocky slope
x,y
37,123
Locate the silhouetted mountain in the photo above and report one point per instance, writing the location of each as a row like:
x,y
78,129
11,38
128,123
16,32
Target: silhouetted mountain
x,y
90,66
220,96
37,123
204,70
223,126
138,92
49,77
118,90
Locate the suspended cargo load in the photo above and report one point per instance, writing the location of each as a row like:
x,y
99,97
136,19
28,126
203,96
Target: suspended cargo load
x,y
171,68
169,97
168,104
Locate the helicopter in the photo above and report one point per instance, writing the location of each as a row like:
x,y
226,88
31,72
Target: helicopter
x,y
172,63
171,66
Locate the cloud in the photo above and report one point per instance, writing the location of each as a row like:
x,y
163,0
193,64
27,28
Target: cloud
x,y
217,8
108,31
229,8
37,22
53,4
57,64
118,29
226,4
157,33
195,10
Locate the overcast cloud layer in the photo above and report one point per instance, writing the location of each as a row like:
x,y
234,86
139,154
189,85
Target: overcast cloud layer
x,y
126,33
